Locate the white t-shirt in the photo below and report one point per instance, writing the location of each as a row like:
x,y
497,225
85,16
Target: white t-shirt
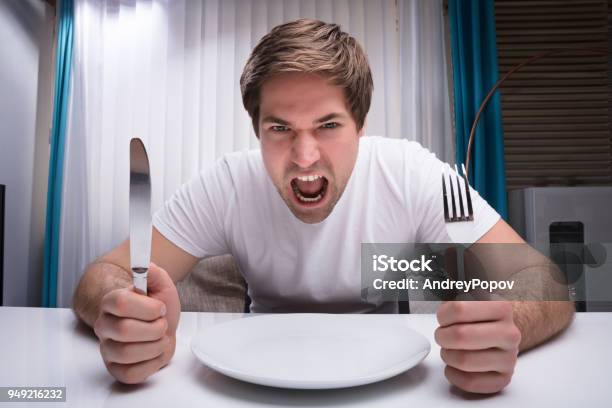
x,y
393,195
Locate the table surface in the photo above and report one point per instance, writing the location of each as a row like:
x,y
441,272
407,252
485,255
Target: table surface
x,y
48,347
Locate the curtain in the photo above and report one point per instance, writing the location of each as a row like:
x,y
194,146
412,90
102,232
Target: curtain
x,y
167,72
475,71
425,107
56,160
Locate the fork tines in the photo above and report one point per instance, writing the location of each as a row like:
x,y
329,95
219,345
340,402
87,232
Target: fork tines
x,y
458,193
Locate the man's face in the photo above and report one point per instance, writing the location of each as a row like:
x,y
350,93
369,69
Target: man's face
x,y
309,142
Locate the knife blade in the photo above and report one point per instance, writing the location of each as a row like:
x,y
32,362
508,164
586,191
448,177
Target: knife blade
x,y
140,214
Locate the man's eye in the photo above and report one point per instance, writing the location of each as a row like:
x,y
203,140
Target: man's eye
x,y
330,125
279,128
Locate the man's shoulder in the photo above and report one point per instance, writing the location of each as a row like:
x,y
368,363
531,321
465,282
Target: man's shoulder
x,y
392,151
232,169
243,168
391,145
242,157
242,163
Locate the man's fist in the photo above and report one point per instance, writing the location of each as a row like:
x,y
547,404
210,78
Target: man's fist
x,y
479,344
138,333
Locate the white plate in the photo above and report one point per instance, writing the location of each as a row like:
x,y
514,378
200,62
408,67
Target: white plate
x,y
311,351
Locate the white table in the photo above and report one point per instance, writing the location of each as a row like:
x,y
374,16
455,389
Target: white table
x,y
46,347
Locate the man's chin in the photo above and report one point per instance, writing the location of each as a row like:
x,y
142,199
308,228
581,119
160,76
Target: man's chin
x,y
309,213
311,216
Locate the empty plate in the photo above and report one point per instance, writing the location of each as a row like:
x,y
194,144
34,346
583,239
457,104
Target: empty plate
x,y
311,351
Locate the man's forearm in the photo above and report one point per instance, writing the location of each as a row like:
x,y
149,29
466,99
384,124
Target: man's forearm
x,y
542,310
539,304
99,278
539,321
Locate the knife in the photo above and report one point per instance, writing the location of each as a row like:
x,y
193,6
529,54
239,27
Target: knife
x,y
140,214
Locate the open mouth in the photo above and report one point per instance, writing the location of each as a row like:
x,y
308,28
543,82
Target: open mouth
x,y
310,189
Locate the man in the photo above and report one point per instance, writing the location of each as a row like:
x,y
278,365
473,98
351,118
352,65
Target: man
x,y
307,88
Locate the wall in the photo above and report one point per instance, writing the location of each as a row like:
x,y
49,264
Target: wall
x,y
26,75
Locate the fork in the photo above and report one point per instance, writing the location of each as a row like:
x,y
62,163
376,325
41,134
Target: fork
x,y
458,224
459,184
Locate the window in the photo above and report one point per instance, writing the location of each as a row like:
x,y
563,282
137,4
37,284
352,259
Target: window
x,y
556,112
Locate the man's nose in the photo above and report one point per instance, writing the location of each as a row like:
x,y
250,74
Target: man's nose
x,y
305,149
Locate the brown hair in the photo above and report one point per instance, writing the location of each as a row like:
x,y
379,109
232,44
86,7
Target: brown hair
x,y
309,46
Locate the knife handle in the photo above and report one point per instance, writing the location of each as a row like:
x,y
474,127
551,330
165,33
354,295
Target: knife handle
x,y
139,276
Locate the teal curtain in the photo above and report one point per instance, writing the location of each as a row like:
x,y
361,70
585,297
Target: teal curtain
x,y
56,161
475,71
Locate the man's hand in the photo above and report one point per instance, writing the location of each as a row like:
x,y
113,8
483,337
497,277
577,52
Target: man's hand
x,y
138,333
480,344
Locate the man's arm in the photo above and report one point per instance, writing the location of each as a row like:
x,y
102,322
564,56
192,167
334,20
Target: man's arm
x,y
538,321
112,271
480,341
137,333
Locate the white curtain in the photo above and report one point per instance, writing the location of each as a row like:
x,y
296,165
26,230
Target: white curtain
x,y
168,71
424,104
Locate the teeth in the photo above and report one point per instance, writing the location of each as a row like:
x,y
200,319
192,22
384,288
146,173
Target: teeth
x,y
309,178
306,199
